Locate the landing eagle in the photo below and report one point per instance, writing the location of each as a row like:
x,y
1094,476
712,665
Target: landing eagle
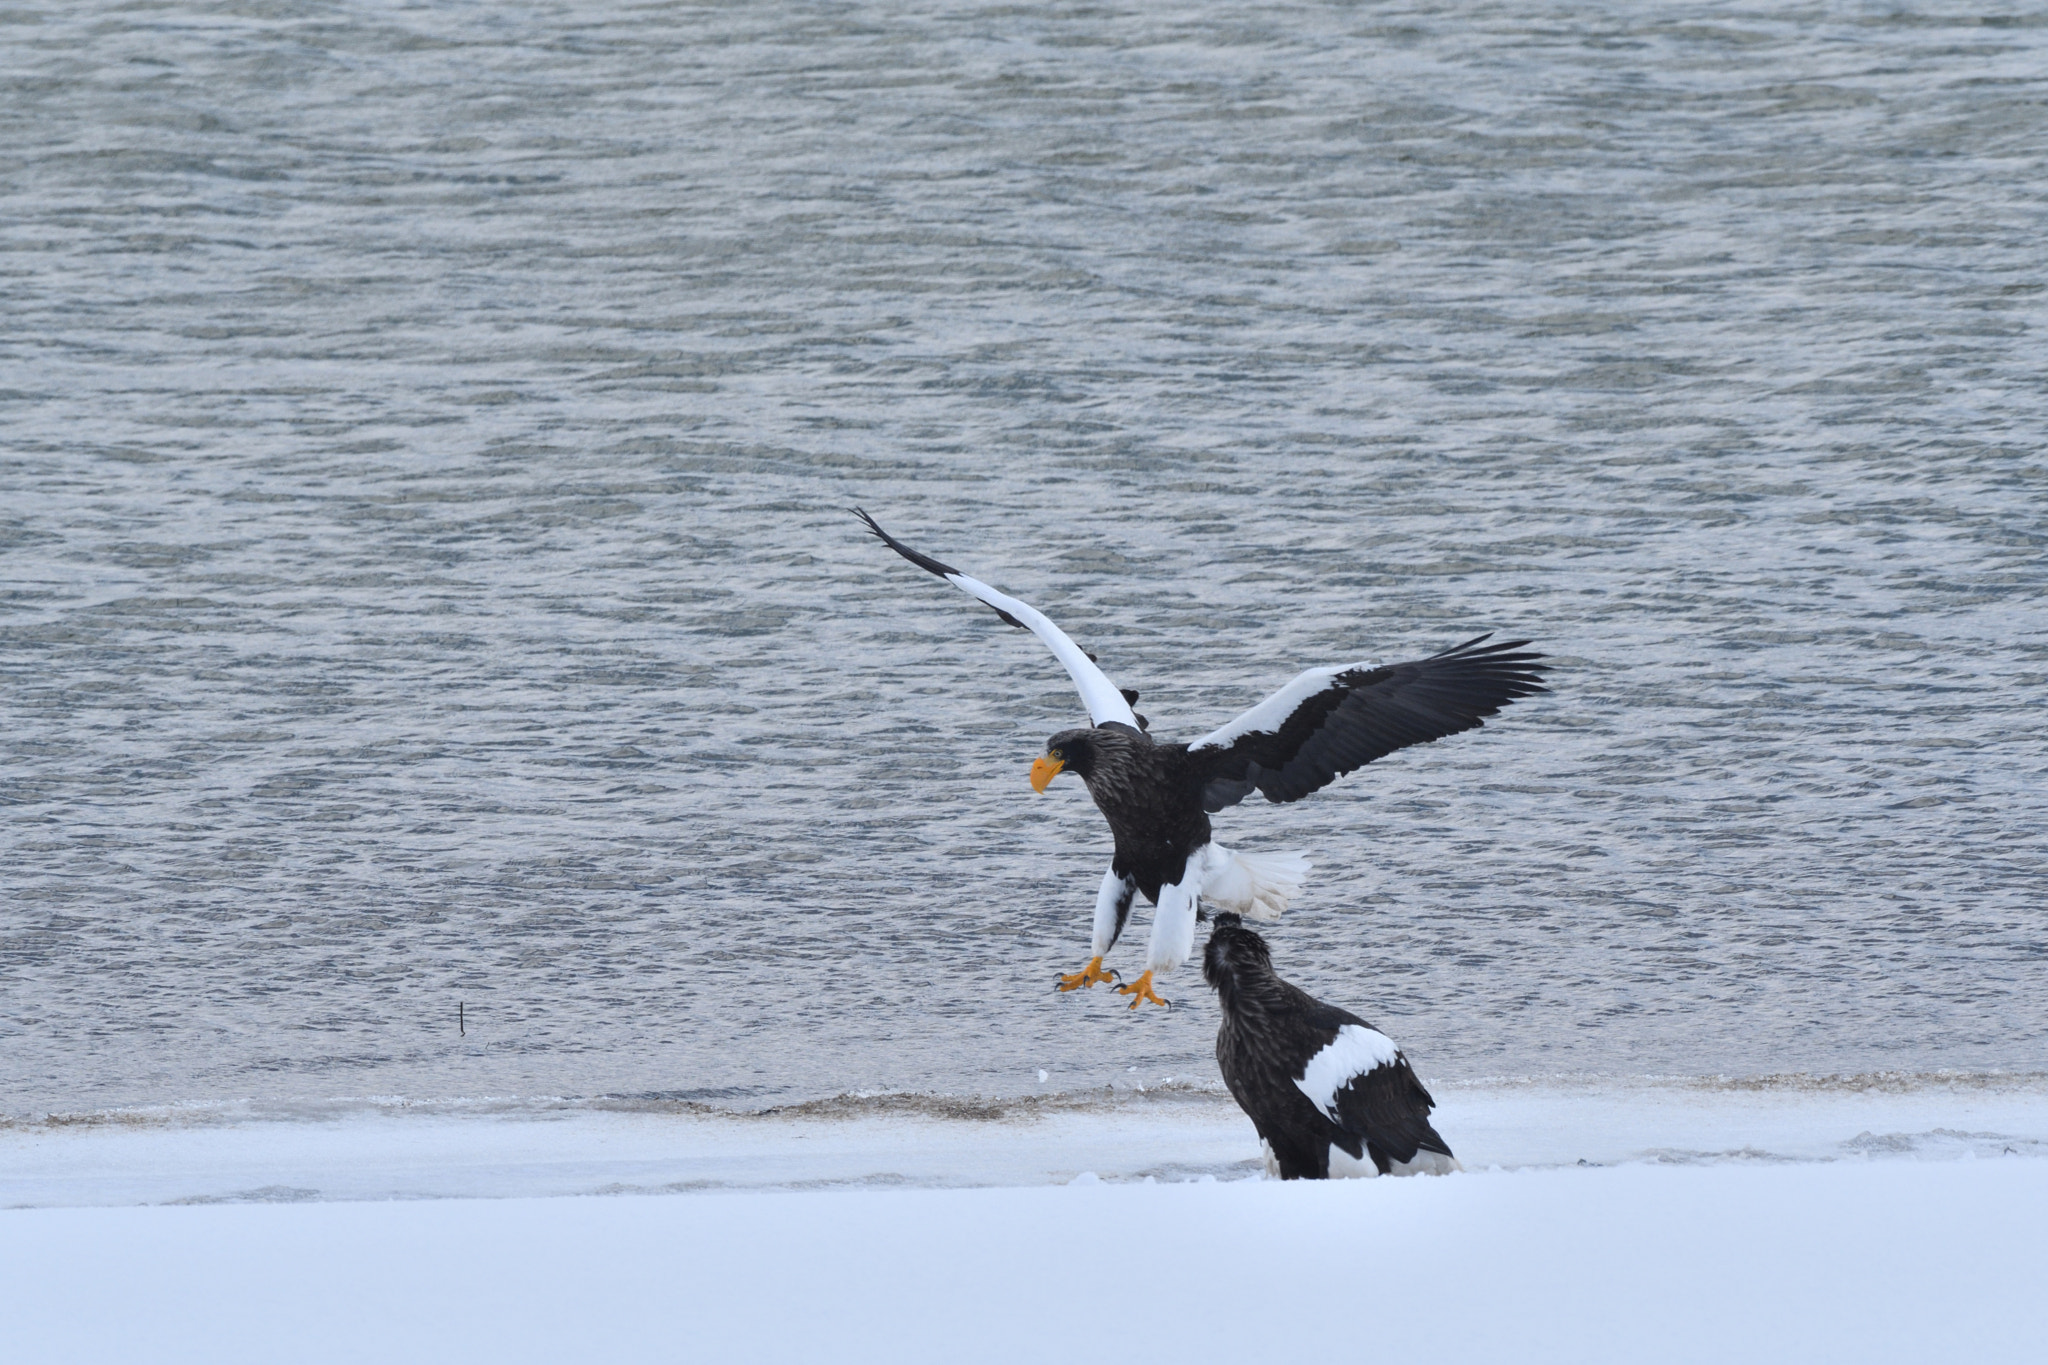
x,y
1158,796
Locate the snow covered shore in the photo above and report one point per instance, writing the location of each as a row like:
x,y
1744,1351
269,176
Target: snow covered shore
x,y
355,1150
1879,1261
1857,1225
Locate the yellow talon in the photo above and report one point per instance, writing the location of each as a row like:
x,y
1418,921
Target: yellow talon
x,y
1087,976
1141,990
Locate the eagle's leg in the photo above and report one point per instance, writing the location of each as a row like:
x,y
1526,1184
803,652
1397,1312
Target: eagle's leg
x,y
1141,990
1173,932
1112,908
1086,977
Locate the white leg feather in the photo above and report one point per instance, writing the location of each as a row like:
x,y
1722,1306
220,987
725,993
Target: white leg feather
x,y
1112,906
1173,923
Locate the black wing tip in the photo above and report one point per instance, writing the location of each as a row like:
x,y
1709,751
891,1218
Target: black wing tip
x,y
1510,661
873,525
1470,649
923,561
926,562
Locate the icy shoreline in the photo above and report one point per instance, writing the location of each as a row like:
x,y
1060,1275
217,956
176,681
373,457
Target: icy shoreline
x,y
368,1150
1614,1222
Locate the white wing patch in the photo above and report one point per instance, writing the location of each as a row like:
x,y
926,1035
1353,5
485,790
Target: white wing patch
x,y
1272,713
1354,1051
1105,702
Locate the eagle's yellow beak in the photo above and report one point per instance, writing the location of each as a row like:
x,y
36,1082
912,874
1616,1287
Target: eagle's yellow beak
x,y
1043,771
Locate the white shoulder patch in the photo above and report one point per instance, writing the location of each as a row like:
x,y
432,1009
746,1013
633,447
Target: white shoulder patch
x,y
1272,713
1354,1051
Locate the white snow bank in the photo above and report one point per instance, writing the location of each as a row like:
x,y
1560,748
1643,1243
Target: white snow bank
x,y
1861,1261
396,1151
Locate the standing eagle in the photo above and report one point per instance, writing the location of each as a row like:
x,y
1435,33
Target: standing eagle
x,y
1329,1093
1158,797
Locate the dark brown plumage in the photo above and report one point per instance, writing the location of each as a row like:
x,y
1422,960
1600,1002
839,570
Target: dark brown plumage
x,y
1315,1080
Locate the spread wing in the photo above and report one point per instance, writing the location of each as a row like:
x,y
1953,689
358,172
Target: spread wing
x,y
1329,721
1106,702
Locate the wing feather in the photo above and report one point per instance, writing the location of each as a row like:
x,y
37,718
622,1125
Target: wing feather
x,y
1329,721
1104,699
1387,1109
1374,1097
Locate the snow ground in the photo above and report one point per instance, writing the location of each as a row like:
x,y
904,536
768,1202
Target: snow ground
x,y
394,1150
1802,1225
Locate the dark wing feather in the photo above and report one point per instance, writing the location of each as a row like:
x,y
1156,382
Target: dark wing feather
x,y
1384,1110
1387,1109
1365,714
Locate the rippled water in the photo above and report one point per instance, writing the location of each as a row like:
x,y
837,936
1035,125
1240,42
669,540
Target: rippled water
x,y
427,578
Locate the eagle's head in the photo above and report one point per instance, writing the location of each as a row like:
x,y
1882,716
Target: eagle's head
x,y
1078,751
1235,956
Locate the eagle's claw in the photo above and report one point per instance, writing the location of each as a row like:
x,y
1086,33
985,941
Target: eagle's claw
x,y
1141,990
1087,976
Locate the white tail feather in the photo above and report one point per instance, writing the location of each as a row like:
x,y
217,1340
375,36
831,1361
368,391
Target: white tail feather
x,y
1255,885
1427,1163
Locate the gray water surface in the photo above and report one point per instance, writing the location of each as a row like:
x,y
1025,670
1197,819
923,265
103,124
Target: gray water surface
x,y
426,435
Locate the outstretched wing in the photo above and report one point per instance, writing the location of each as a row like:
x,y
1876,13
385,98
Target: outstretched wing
x,y
1331,720
1106,703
